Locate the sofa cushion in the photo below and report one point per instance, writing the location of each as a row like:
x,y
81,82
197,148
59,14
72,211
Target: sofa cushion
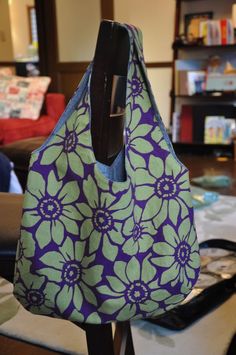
x,y
14,129
22,97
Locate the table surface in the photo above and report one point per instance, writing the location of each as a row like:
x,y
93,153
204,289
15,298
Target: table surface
x,y
204,165
198,166
218,221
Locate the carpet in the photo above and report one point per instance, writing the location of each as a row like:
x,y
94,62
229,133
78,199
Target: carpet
x,y
55,334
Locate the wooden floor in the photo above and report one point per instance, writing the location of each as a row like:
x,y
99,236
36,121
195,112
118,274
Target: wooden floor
x,y
9,346
198,166
205,165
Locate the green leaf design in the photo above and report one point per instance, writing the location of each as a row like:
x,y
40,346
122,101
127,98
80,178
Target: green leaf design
x,y
93,275
64,298
115,284
169,274
109,250
42,234
152,208
94,318
88,294
112,305
53,259
77,298
142,145
133,269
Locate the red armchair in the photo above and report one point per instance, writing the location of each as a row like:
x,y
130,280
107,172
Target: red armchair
x,y
15,129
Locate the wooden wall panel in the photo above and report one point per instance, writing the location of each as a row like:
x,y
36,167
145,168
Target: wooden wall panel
x,y
69,80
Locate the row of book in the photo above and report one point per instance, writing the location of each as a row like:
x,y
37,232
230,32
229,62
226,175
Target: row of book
x,y
195,76
217,32
202,124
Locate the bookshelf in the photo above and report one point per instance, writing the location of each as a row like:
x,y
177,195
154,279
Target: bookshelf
x,y
205,103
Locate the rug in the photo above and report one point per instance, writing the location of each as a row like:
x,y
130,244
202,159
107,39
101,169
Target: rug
x,y
55,334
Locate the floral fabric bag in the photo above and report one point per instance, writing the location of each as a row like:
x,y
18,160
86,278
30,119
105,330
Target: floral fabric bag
x,y
96,250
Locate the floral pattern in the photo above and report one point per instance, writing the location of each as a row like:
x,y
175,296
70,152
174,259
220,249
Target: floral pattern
x,y
37,295
139,234
137,92
70,147
49,208
166,187
136,144
96,250
180,254
103,218
68,268
132,290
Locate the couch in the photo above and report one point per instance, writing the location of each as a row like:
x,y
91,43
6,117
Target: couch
x,y
19,137
15,129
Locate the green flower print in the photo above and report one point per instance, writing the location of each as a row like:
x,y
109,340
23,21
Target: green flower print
x,y
139,233
158,137
137,92
69,268
104,214
136,144
133,290
179,253
49,208
71,145
36,294
25,251
166,187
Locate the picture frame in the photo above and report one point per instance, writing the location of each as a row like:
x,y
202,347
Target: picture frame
x,y
192,23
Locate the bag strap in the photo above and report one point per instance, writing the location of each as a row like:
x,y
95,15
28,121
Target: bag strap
x,y
136,38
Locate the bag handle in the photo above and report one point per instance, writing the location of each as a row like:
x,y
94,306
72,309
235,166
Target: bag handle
x,y
108,82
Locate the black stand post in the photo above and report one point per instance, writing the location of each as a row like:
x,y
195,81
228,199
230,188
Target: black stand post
x,y
110,60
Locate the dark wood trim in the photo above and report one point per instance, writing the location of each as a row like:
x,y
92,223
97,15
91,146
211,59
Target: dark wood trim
x,y
159,65
47,35
7,63
70,67
107,9
79,66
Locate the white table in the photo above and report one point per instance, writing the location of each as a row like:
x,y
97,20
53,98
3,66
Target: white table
x,y
210,335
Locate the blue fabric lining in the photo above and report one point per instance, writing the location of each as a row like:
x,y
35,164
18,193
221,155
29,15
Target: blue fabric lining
x,y
116,171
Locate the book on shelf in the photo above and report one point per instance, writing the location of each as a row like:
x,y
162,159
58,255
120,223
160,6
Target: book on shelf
x,y
195,82
218,130
186,124
217,32
200,112
175,127
190,76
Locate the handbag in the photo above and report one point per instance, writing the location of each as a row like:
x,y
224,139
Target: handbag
x,y
96,249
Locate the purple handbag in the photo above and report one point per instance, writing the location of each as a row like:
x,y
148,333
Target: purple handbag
x,y
96,248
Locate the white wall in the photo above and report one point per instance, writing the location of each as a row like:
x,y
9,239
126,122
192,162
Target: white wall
x,y
78,22
160,80
77,26
155,18
6,48
20,26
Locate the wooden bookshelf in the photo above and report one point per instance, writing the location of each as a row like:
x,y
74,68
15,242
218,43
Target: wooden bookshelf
x,y
194,46
206,103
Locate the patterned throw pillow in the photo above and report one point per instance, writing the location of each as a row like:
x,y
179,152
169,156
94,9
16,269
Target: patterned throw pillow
x,y
22,97
6,71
